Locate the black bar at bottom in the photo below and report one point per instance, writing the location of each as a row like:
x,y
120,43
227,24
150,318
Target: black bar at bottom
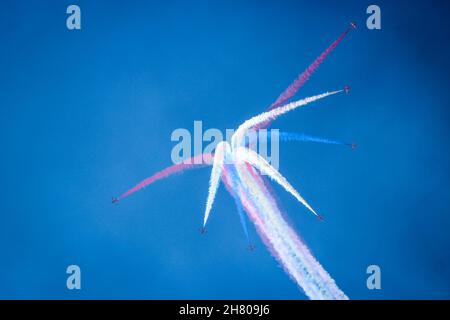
x,y
224,309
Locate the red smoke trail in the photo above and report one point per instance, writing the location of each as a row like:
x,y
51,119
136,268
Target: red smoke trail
x,y
188,164
304,76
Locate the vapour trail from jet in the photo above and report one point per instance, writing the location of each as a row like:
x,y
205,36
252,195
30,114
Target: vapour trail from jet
x,y
305,75
294,136
239,135
281,239
177,168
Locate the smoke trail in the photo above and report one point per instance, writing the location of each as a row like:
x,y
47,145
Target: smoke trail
x,y
221,150
247,155
177,168
294,136
231,186
293,88
240,211
304,76
281,239
238,136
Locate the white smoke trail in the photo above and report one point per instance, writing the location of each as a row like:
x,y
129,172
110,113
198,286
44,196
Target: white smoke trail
x,y
250,156
238,137
219,155
282,240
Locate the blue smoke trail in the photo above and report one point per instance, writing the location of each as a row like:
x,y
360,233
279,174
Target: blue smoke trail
x,y
295,136
238,203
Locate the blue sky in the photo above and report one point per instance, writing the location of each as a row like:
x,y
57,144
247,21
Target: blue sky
x,y
86,114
